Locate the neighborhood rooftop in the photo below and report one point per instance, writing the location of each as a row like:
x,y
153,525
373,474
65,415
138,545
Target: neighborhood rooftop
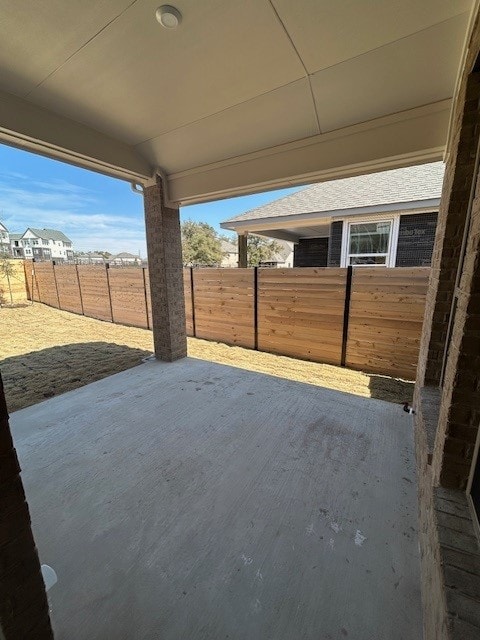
x,y
409,184
50,234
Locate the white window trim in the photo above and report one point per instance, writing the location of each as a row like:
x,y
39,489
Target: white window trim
x,y
393,242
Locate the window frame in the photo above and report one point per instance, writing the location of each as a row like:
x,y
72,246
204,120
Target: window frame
x,y
390,256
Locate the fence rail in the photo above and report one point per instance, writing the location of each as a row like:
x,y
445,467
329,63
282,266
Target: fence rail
x,y
369,318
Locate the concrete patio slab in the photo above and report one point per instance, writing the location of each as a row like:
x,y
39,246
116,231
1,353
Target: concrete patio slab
x,y
196,501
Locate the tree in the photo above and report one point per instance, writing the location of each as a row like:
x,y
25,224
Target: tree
x,y
201,245
8,272
261,250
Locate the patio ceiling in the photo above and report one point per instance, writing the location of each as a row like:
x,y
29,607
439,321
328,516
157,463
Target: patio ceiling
x,y
242,96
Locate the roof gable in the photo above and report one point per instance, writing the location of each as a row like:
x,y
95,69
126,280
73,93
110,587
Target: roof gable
x,y
49,234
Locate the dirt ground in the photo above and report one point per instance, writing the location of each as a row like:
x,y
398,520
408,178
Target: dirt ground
x,y
45,352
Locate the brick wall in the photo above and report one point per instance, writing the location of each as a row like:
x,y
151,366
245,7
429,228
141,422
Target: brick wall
x,y
460,410
450,226
335,245
23,602
311,252
416,237
164,247
450,552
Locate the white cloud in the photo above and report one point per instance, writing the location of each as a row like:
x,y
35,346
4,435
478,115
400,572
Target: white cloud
x,y
70,208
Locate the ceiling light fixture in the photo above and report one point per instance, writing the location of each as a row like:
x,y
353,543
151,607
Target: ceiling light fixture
x,y
168,16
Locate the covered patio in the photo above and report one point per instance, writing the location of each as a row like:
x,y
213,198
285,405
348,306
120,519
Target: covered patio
x,y
195,500
189,500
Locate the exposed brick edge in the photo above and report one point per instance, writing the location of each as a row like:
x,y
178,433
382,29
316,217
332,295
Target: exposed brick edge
x,y
23,601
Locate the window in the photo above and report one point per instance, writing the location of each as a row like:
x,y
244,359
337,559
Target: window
x,y
35,242
370,242
45,241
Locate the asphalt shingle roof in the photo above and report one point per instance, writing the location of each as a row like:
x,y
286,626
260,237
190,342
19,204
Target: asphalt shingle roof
x,y
50,234
410,184
228,247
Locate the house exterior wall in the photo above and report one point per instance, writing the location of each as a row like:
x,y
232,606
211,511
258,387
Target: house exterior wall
x,y
4,240
230,259
450,551
59,250
416,237
413,245
311,252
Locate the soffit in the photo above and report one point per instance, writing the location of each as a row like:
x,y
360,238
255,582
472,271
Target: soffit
x,y
327,33
235,78
407,73
136,80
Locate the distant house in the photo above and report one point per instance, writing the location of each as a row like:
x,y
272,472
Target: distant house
x,y
46,244
230,254
125,259
16,248
385,219
4,240
89,258
283,257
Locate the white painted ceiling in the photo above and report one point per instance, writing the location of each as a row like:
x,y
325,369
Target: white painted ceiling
x,y
237,77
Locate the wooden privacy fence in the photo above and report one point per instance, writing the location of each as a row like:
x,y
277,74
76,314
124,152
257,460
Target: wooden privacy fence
x,y
368,318
12,282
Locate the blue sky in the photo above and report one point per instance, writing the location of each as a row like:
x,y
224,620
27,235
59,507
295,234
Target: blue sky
x,y
96,212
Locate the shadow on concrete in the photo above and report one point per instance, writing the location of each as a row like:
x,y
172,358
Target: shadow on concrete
x,y
32,377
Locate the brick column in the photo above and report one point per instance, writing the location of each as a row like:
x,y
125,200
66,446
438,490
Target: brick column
x,y
23,602
459,175
164,246
242,251
460,408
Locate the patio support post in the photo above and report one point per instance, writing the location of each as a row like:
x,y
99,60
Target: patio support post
x,y
242,250
164,247
460,175
23,601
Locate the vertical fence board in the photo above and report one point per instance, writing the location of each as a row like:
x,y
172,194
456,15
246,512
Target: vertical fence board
x,y
386,316
149,298
68,288
300,312
128,296
45,289
224,305
187,287
94,284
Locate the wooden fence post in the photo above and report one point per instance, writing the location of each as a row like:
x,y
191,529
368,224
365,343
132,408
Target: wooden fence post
x,y
255,307
35,282
346,314
146,296
79,289
56,284
107,267
192,293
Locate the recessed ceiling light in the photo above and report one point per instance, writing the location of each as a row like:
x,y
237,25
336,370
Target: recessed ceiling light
x,y
168,16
